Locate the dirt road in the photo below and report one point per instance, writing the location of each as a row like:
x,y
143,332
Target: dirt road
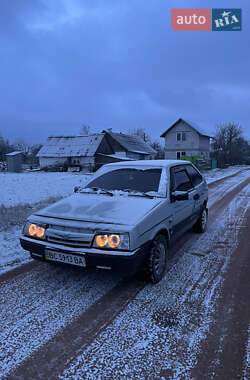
x,y
61,322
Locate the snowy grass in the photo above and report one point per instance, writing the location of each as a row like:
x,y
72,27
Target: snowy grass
x,y
11,254
33,187
17,215
30,188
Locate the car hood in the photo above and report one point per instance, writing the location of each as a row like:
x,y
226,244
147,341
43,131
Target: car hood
x,y
100,208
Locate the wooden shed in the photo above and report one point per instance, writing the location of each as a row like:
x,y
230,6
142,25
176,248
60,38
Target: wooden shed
x,y
14,162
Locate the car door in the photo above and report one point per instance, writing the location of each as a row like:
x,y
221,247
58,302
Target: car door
x,y
197,181
182,211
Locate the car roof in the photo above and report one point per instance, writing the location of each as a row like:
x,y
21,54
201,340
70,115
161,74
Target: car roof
x,y
149,163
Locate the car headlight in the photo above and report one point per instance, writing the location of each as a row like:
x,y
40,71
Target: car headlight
x,y
112,241
34,230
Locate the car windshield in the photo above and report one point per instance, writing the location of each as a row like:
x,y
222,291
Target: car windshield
x,y
128,179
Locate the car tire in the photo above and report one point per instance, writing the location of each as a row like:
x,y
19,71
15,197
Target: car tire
x,y
201,224
157,260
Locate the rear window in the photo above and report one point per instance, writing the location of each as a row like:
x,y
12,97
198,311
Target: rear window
x,y
128,178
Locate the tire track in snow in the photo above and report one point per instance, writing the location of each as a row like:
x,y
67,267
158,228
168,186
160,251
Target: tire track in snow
x,y
227,341
160,333
36,305
54,355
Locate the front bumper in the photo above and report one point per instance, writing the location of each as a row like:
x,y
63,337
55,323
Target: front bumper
x,y
122,261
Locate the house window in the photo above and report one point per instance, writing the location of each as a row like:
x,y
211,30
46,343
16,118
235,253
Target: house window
x,y
181,136
183,153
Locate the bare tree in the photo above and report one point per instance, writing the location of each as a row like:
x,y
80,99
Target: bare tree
x,y
5,147
159,149
230,147
85,129
154,144
22,146
141,133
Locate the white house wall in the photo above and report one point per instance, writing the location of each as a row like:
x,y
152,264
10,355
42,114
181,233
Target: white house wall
x,y
191,142
204,143
171,155
193,145
47,161
83,161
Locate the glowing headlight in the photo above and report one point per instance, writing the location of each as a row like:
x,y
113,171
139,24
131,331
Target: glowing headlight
x,y
33,230
113,241
101,240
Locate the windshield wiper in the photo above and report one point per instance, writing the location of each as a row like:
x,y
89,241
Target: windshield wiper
x,y
90,190
102,190
138,193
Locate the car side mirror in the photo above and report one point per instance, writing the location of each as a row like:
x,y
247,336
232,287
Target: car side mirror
x,y
76,188
180,196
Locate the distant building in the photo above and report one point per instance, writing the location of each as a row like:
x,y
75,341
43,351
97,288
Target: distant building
x,y
184,138
14,162
72,150
130,146
92,151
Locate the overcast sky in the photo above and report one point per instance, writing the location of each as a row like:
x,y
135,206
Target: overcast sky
x,y
118,64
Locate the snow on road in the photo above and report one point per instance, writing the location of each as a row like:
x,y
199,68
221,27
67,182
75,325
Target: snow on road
x,y
33,187
40,303
162,327
215,174
161,330
11,253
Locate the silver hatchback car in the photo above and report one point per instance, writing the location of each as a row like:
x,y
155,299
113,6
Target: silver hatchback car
x,y
125,218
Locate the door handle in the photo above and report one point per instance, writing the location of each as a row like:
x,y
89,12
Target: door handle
x,y
196,196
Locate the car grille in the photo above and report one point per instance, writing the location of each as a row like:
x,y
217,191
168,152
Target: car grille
x,y
70,236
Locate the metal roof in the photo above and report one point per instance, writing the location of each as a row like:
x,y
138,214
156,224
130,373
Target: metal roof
x,y
117,156
13,153
71,146
132,143
191,124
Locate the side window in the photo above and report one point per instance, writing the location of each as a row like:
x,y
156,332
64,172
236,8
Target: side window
x,y
195,176
181,181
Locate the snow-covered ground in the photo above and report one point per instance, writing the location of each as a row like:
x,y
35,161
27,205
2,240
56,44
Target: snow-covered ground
x,y
163,325
33,187
11,255
215,174
166,323
45,185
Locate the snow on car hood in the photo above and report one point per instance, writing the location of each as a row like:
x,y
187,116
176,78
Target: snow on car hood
x,y
100,208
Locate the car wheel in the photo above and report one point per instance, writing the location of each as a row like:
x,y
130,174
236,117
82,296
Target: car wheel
x,y
157,260
201,224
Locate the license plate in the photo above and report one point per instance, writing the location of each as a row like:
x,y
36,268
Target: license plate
x,y
65,258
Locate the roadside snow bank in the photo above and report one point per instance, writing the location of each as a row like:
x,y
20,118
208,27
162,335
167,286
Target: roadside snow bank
x,y
32,187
